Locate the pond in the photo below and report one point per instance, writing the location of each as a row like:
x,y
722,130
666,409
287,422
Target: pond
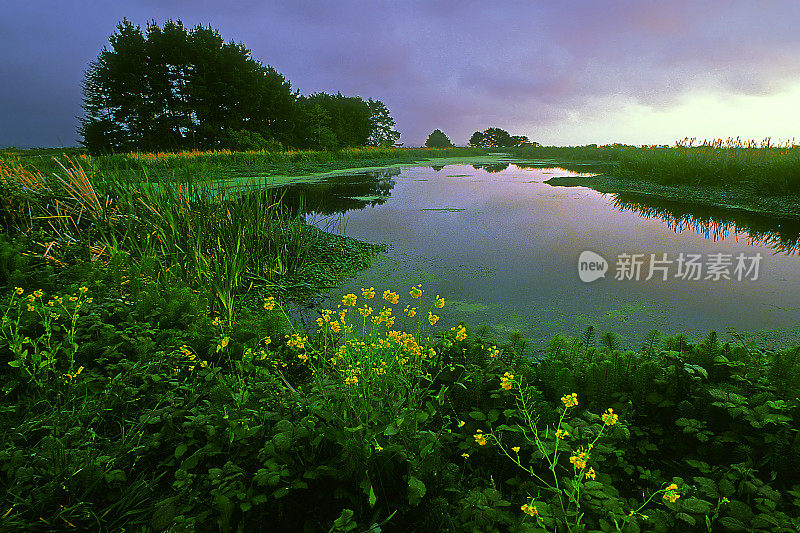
x,y
503,247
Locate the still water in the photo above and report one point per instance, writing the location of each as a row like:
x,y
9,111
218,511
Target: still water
x,y
502,247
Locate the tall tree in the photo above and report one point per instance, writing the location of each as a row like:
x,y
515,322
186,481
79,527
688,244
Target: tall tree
x,y
382,132
167,88
437,139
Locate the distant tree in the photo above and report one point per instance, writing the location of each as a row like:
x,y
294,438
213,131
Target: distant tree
x,y
382,132
437,139
497,138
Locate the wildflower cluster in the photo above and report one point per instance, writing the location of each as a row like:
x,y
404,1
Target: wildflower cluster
x,y
570,400
507,381
190,359
671,494
529,510
58,316
609,418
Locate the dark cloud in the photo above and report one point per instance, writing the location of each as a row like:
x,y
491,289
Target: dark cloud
x,y
457,66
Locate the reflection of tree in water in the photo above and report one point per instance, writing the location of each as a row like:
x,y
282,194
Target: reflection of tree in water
x,y
780,234
491,167
338,194
578,168
437,168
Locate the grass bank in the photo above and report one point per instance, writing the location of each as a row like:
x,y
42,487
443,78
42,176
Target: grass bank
x,y
224,163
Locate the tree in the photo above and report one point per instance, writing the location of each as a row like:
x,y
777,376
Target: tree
x,y
166,88
497,138
437,139
382,132
347,117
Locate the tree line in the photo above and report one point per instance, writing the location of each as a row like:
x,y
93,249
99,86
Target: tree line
x,y
489,138
169,88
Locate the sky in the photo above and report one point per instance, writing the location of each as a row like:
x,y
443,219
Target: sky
x,y
561,72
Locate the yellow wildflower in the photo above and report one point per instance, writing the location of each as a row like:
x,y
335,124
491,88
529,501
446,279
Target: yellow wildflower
x,y
365,311
579,460
390,296
303,357
439,302
570,400
349,299
269,303
37,293
30,307
83,289
416,292
671,494
433,319
368,293
411,311
465,455
529,510
480,438
461,423
516,449
609,418
223,343
19,290
561,434
591,474
335,327
507,381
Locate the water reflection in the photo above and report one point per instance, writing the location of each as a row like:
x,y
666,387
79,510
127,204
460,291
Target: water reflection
x,y
491,167
341,193
782,235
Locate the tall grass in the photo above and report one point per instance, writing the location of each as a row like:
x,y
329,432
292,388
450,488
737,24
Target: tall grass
x,y
763,166
197,232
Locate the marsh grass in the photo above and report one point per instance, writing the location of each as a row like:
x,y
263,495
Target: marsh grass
x,y
200,233
767,168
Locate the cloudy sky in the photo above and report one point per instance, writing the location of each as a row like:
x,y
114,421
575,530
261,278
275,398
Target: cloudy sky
x,y
562,72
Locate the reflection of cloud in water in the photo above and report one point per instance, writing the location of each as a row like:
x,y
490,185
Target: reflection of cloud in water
x,y
782,235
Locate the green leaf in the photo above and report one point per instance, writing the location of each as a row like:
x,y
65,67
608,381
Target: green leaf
x,y
689,519
372,497
696,505
180,450
477,415
416,490
732,524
